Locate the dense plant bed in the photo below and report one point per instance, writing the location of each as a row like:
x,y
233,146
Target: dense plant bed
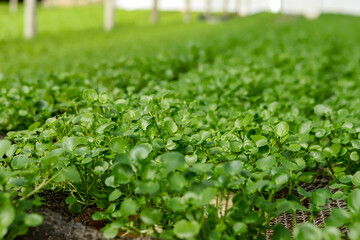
x,y
159,144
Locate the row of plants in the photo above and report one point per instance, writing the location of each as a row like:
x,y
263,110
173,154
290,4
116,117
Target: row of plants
x,y
191,146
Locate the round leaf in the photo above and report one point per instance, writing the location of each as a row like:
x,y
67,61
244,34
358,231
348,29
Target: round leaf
x,y
4,146
353,201
118,145
150,216
354,156
172,160
33,219
176,204
307,231
186,229
282,129
356,179
141,151
266,163
239,228
114,195
71,174
129,207
90,95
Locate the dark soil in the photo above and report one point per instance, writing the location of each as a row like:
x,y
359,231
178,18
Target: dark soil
x,y
60,224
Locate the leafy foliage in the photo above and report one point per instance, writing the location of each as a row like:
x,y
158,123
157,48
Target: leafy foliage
x,y
191,145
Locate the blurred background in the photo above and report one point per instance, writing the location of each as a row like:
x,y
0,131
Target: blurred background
x,y
57,35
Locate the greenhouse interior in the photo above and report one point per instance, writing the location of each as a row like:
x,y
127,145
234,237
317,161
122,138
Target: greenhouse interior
x,y
179,119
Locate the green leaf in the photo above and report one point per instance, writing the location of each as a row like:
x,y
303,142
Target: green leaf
x,y
11,151
71,143
172,160
7,213
247,120
34,126
304,193
33,219
266,163
110,181
71,174
321,109
170,126
335,149
331,233
98,216
318,156
281,179
354,156
186,229
235,146
300,163
233,167
104,97
307,231
118,145
353,201
114,195
101,167
111,232
356,144
122,173
150,216
354,231
282,129
285,205
356,179
75,207
70,199
141,151
289,165
294,147
147,187
176,204
305,127
259,140
20,162
129,207
239,228
90,95
5,145
320,196
338,217
191,159
281,232
177,182
206,195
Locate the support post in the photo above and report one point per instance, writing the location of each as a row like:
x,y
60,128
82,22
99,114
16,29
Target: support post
x,y
208,8
225,7
109,14
30,19
245,8
187,11
155,12
282,4
13,6
238,7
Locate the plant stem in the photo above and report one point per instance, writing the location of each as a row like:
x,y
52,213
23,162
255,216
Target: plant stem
x,y
40,186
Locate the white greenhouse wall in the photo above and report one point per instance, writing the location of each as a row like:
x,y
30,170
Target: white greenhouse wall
x,y
290,6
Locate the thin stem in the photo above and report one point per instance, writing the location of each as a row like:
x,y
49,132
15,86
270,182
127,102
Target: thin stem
x,y
40,186
226,204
